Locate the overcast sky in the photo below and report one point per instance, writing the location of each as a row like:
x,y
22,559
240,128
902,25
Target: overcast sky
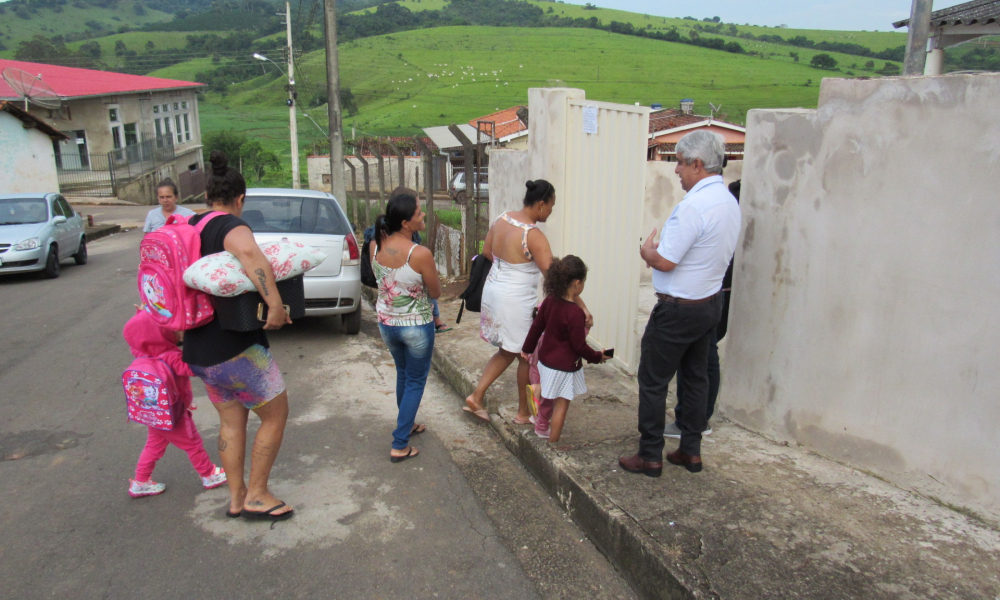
x,y
854,15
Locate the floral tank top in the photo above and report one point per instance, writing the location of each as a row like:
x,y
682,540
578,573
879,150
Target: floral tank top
x,y
402,299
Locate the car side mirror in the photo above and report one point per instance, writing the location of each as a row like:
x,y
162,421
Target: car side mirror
x,y
59,220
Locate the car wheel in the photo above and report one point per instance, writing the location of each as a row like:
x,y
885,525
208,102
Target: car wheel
x,y
460,197
51,270
81,255
352,322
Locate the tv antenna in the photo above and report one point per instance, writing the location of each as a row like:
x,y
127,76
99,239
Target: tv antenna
x,y
31,88
715,110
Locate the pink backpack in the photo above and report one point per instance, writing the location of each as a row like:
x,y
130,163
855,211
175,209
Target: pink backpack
x,y
163,256
147,397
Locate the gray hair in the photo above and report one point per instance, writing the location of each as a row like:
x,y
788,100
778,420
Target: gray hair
x,y
706,146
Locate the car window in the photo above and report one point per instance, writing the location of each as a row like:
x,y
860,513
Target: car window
x,y
18,211
56,209
66,208
278,214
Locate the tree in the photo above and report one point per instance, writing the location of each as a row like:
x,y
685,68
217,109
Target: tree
x,y
120,48
257,160
227,142
150,45
139,9
823,61
794,55
91,49
870,65
890,69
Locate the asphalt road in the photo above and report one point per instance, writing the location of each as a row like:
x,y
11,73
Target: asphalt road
x,y
462,520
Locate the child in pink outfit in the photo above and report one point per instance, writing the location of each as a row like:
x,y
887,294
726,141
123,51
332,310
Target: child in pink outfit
x,y
146,339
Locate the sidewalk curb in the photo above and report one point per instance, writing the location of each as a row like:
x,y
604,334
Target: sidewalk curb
x,y
634,553
96,233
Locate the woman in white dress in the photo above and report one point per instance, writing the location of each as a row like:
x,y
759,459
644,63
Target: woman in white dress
x,y
521,256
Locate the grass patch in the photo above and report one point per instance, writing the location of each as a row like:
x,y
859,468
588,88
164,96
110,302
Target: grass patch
x,y
451,218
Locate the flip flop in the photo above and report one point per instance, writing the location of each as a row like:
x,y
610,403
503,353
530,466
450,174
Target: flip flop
x,y
233,515
442,328
481,413
529,421
409,454
267,515
532,401
418,428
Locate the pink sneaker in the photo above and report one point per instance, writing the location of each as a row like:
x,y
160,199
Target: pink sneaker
x,y
138,489
217,478
543,433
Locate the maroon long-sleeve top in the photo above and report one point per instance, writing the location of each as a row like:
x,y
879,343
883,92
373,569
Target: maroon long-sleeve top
x,y
565,344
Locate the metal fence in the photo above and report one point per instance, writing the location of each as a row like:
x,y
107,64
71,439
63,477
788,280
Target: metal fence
x,y
102,174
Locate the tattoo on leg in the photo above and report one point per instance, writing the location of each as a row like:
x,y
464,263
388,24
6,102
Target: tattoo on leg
x,y
263,280
223,444
255,503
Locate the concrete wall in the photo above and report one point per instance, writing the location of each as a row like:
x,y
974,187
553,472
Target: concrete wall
x,y
27,160
507,190
663,193
142,190
413,167
864,310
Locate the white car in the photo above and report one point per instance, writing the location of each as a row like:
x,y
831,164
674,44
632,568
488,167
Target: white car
x,y
314,219
459,192
38,232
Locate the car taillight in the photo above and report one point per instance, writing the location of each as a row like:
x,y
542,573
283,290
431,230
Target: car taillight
x,y
352,255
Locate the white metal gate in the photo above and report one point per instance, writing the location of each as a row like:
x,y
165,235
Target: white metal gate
x,y
605,187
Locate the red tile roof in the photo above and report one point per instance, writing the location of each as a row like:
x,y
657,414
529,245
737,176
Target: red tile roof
x,y
69,82
507,122
671,118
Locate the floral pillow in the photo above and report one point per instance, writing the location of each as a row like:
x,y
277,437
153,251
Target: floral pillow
x,y
221,274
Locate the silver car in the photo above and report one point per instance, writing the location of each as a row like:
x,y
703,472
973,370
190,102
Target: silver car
x,y
314,219
37,232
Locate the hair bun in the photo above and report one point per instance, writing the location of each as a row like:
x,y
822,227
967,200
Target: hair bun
x,y
220,164
530,185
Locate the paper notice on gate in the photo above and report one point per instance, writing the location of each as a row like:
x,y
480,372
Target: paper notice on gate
x,y
590,119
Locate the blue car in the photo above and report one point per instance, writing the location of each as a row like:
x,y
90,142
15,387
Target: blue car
x,y
38,232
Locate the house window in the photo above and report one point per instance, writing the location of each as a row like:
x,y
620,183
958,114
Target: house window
x,y
156,109
184,105
159,128
187,129
131,137
176,106
113,115
165,107
116,137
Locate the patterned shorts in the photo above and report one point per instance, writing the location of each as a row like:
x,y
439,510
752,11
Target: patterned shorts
x,y
252,378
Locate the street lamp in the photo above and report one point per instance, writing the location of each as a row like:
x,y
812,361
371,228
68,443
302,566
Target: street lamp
x,y
293,128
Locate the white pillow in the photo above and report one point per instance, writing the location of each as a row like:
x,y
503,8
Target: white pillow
x,y
221,274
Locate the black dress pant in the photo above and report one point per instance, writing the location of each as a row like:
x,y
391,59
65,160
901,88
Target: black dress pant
x,y
714,367
677,337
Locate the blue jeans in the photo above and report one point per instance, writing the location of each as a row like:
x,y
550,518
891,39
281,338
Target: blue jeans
x,y
411,347
435,311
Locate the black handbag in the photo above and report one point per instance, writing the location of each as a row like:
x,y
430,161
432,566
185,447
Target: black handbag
x,y
472,297
239,313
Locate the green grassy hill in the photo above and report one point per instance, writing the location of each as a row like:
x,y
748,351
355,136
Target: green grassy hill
x,y
46,22
136,40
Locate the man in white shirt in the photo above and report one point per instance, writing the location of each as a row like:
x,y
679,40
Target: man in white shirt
x,y
696,245
166,195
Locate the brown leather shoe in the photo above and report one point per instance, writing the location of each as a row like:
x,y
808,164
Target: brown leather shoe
x,y
689,462
635,464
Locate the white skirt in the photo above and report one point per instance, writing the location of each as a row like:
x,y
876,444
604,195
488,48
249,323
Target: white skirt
x,y
561,384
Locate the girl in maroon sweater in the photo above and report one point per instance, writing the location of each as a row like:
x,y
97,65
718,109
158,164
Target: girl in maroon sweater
x,y
561,355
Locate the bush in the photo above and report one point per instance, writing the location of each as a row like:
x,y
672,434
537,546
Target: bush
x,y
823,61
257,160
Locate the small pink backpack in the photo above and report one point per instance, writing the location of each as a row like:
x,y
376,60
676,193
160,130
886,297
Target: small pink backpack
x,y
147,397
163,256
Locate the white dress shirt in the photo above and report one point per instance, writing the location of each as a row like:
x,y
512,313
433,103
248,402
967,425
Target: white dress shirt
x,y
700,238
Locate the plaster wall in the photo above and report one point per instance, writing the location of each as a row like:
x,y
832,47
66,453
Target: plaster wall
x,y
663,193
319,173
27,160
867,280
509,170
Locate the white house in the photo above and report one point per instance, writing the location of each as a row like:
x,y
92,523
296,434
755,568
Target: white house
x,y
27,157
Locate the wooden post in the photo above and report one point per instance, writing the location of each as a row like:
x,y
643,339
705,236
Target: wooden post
x,y
352,211
429,192
368,204
381,178
470,222
336,135
402,163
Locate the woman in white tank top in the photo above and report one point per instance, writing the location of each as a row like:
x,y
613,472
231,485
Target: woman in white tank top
x,y
407,281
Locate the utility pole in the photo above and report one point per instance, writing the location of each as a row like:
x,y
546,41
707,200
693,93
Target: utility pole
x,y
338,186
916,37
292,125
